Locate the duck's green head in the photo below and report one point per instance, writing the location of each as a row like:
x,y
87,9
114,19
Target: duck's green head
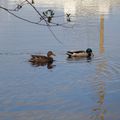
x,y
89,52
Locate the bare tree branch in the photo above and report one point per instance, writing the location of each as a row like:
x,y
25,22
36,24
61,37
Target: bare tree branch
x,y
43,17
21,17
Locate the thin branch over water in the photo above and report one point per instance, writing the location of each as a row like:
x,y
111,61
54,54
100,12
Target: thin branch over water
x,y
47,23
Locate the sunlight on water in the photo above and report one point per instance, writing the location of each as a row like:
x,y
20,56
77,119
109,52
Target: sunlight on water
x,y
69,89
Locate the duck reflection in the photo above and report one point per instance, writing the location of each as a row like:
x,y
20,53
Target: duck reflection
x,y
38,64
88,59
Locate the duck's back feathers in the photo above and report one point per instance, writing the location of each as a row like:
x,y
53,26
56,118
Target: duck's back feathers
x,y
40,59
80,53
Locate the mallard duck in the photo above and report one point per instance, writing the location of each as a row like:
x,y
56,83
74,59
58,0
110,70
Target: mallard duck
x,y
88,53
42,60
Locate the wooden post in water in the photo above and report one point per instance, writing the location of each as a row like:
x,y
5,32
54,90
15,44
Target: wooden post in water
x,y
101,47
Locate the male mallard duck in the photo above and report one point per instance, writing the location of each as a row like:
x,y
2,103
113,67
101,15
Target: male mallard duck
x,y
40,59
88,53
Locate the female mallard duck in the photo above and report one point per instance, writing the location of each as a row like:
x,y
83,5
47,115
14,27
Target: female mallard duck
x,y
88,53
39,59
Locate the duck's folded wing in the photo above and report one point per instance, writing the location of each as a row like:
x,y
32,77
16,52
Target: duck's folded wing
x,y
80,53
72,52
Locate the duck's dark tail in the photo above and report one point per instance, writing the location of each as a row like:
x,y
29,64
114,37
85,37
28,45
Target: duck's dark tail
x,y
69,53
30,60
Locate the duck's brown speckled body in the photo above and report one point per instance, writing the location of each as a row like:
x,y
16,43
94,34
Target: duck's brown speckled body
x,y
42,59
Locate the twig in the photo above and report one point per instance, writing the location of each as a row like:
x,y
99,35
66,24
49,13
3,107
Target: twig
x,y
21,17
45,22
38,12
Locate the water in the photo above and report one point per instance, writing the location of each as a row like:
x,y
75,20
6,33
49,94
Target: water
x,y
72,89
